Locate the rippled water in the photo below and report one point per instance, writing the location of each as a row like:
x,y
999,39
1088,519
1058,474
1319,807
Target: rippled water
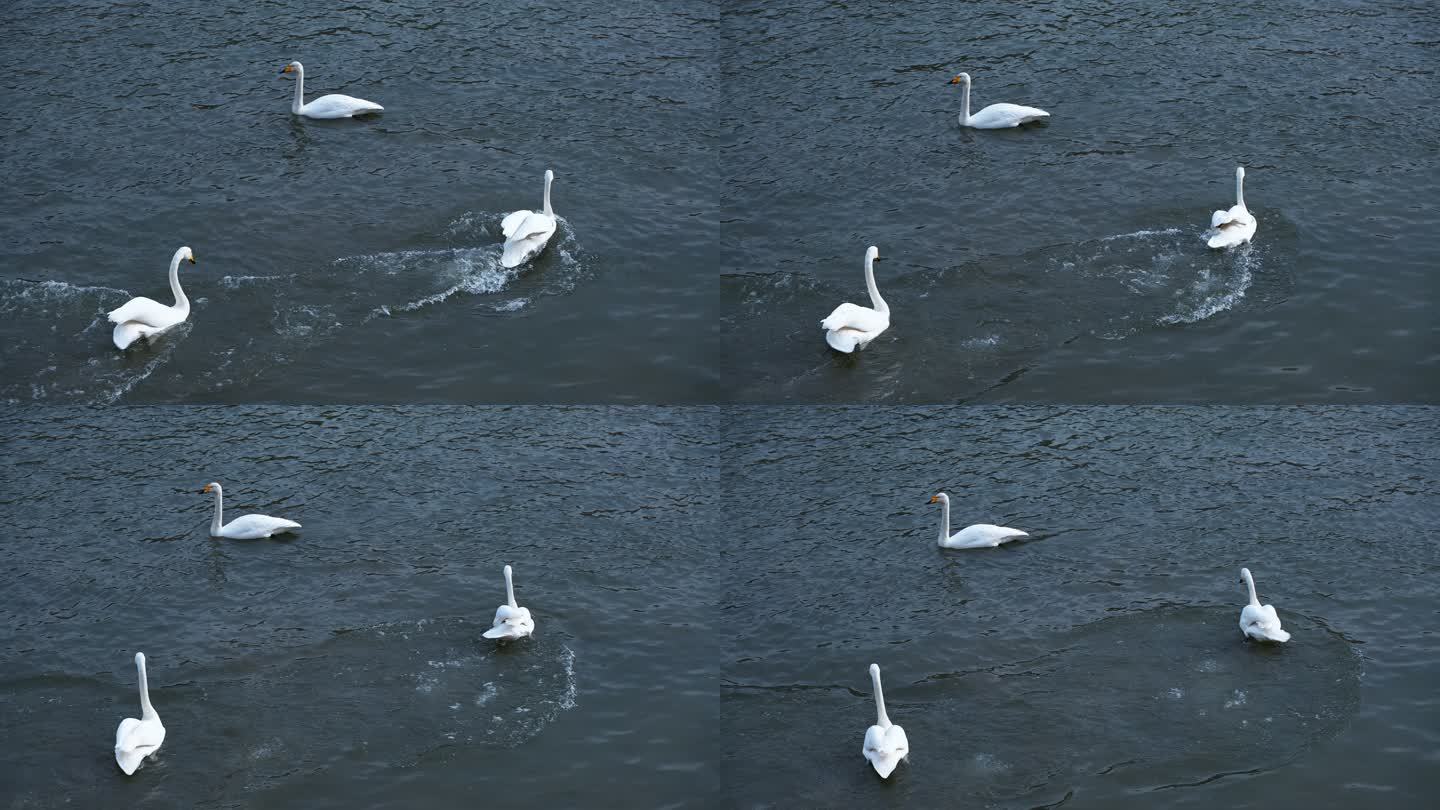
x,y
356,261
1099,661
1064,262
342,667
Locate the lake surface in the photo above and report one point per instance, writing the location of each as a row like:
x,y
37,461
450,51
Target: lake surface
x,y
1098,663
342,667
1063,262
357,261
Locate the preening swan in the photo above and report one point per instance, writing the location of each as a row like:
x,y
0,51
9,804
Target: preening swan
x,y
851,327
1258,621
980,535
247,527
144,318
137,739
996,116
526,232
511,620
331,106
885,743
1236,226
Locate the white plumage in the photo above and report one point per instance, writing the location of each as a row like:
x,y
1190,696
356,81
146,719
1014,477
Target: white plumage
x,y
511,621
144,318
885,742
979,535
849,326
331,106
246,527
996,116
1235,226
1258,621
527,232
137,739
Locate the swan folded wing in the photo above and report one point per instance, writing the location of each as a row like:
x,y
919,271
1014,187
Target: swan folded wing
x,y
1263,622
512,221
143,310
885,747
1006,115
249,527
337,105
135,740
852,316
532,227
1220,218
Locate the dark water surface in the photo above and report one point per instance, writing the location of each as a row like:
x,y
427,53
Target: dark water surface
x,y
343,667
1100,661
1064,262
357,261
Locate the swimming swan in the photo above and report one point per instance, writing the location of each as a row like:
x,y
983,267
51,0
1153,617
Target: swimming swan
x,y
885,743
996,116
511,620
137,739
1258,621
980,535
526,232
144,318
851,327
247,527
331,106
1236,226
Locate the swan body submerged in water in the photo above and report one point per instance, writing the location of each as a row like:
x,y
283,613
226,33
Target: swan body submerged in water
x,y
849,326
144,318
331,106
137,739
980,535
246,527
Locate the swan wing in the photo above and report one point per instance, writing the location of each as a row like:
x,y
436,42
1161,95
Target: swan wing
x,y
512,221
1220,218
884,748
529,238
983,535
135,740
1262,623
1000,116
255,527
145,311
852,316
339,106
1236,231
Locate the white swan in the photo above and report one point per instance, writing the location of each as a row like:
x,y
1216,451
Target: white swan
x,y
1236,226
885,743
137,739
246,527
1258,621
980,535
996,116
526,232
511,620
144,318
331,106
851,327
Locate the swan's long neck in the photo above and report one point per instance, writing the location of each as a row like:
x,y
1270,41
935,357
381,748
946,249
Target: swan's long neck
x,y
299,89
875,300
881,718
181,302
219,508
1250,586
965,102
1240,189
510,590
549,212
944,520
147,711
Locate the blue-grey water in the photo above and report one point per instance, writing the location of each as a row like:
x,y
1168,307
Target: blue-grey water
x,y
357,260
1064,262
343,666
1098,663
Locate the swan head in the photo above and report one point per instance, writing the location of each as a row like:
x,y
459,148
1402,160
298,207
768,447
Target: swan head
x,y
940,497
291,68
139,659
1245,575
549,176
1239,172
210,487
874,670
962,78
188,254
872,254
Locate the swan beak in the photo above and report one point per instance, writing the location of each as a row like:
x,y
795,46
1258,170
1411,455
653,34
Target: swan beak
x,y
192,258
955,80
934,499
205,490
285,70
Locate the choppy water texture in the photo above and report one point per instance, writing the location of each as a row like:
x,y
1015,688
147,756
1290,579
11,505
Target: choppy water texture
x,y
1064,261
357,261
1099,663
343,666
